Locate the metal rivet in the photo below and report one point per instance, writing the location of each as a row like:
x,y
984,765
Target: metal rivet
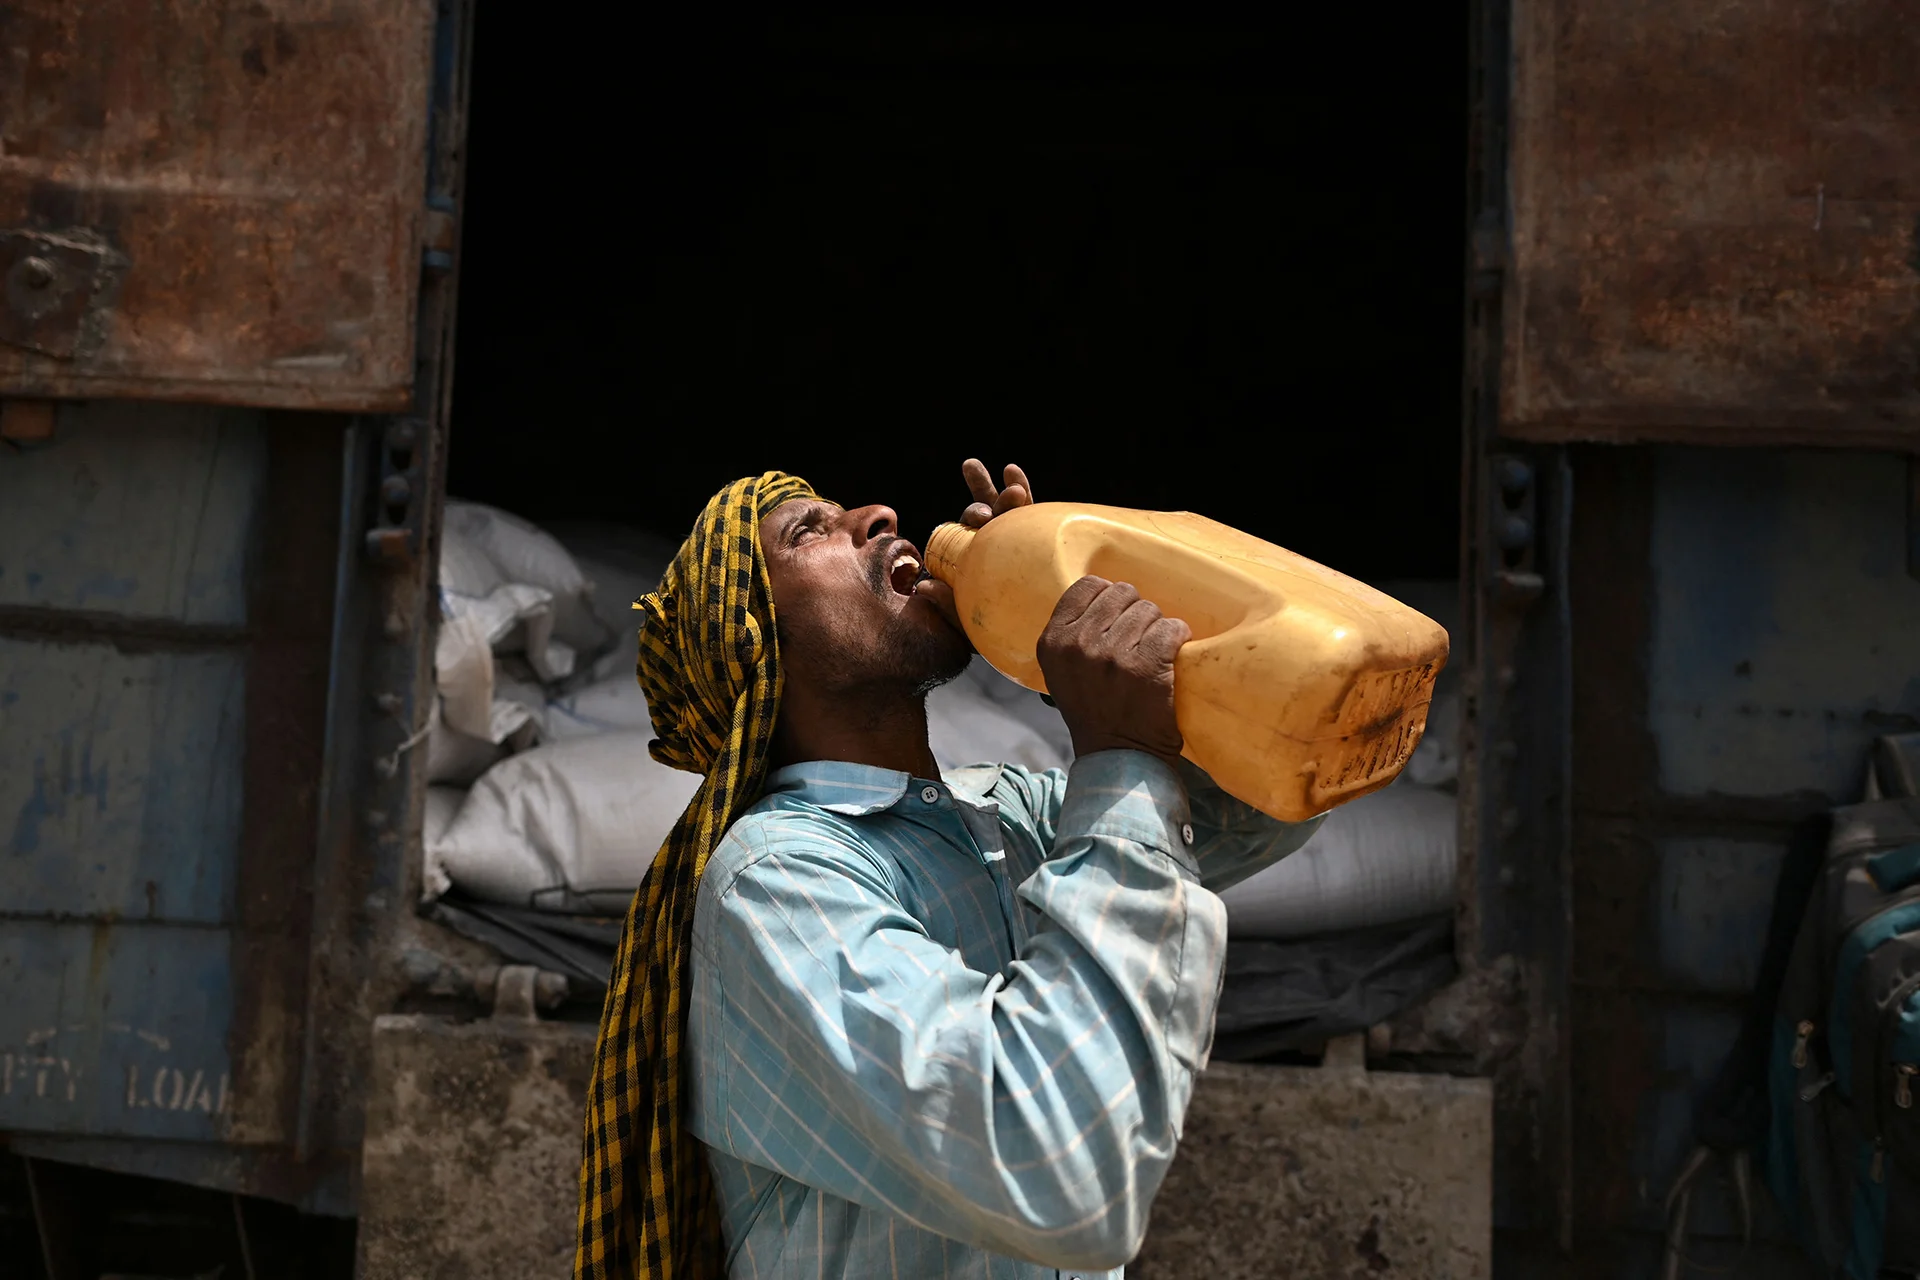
x,y
36,273
1515,533
1515,475
930,794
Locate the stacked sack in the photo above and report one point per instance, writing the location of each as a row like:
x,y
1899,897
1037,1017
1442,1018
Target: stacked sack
x,y
530,805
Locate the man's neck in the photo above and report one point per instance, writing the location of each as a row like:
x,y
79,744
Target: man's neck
x,y
884,730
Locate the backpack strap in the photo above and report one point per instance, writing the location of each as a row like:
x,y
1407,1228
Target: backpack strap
x,y
1680,1210
1734,1111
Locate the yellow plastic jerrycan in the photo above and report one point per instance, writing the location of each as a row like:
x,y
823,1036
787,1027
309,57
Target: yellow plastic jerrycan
x,y
1301,688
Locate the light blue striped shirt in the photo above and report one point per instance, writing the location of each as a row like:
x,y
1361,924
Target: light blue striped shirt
x,y
950,1028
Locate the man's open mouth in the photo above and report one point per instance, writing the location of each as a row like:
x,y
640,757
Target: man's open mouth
x,y
904,570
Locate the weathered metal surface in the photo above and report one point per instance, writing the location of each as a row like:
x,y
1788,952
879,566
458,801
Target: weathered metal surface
x,y
1616,881
165,535
141,510
291,588
122,748
1786,630
1515,899
115,1029
1509,1014
1713,233
1335,1172
55,291
366,871
472,1152
166,589
1715,896
234,197
120,781
1672,891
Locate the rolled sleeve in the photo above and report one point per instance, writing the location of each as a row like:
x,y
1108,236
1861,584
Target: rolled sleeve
x,y
1130,796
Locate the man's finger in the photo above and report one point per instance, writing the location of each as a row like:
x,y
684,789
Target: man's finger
x,y
1017,479
1163,639
979,481
1107,607
1132,624
1009,499
1074,601
976,515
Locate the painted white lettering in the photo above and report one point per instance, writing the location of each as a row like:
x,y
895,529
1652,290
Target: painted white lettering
x,y
197,1094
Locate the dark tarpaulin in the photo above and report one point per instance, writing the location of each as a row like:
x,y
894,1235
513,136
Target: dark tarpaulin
x,y
1295,995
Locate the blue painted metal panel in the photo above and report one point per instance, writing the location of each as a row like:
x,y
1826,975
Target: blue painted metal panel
x,y
1786,630
137,509
114,1029
1715,898
119,781
127,548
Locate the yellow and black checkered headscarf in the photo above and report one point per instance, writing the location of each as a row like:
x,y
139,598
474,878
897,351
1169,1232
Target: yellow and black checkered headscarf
x,y
710,667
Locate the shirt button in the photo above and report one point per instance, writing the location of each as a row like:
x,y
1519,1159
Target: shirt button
x,y
930,794
1186,832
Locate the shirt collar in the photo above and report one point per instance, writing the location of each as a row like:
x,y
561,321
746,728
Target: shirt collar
x,y
857,790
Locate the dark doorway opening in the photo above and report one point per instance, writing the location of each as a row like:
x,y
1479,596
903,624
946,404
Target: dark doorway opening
x,y
1207,260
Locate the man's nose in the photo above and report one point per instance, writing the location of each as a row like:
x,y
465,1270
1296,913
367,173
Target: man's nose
x,y
868,523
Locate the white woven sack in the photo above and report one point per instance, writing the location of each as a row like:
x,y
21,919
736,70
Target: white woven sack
x,y
520,552
516,720
512,617
570,826
1387,857
612,705
623,564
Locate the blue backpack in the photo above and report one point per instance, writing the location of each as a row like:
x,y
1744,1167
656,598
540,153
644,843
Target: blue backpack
x,y
1842,1153
1824,1081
